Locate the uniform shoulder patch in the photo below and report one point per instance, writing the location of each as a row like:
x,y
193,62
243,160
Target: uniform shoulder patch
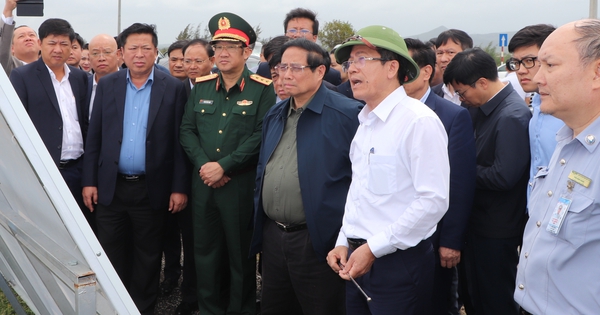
x,y
260,79
207,77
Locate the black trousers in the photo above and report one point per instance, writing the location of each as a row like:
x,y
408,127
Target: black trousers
x,y
130,230
295,280
487,275
398,283
72,176
180,228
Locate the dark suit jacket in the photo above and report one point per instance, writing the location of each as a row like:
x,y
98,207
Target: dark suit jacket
x,y
34,87
461,153
188,88
325,131
166,163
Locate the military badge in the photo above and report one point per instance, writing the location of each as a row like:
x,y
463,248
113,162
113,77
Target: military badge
x,y
244,103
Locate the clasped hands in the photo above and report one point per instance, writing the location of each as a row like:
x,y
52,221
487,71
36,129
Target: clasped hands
x,y
213,175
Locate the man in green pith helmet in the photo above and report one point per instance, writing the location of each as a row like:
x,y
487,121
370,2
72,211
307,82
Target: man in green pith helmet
x,y
400,182
221,132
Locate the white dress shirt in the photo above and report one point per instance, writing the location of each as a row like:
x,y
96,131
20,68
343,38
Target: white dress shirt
x,y
72,139
451,96
400,175
93,96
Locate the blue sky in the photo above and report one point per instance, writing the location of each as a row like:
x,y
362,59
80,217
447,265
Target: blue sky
x,y
91,17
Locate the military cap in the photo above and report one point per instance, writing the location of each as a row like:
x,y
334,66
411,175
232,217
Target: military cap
x,y
378,36
230,27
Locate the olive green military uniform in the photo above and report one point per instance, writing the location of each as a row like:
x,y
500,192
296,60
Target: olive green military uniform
x,y
226,127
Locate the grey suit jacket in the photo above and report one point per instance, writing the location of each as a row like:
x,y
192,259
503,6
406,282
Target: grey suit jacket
x,y
7,60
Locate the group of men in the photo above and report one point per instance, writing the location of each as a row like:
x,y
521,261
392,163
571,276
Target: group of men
x,y
394,196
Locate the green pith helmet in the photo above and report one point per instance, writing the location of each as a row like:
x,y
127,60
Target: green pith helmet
x,y
230,27
381,37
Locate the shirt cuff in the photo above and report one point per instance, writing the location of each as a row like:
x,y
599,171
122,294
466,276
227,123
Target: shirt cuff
x,y
341,240
8,20
380,246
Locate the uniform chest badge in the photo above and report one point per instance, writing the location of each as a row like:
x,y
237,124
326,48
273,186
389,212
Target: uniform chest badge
x,y
206,102
244,103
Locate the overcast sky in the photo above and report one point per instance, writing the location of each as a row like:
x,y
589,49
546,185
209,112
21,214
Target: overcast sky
x,y
91,17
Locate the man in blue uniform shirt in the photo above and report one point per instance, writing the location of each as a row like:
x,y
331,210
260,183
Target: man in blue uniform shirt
x,y
524,46
558,267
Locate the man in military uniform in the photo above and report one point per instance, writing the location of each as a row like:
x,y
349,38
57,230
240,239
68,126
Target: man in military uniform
x,y
221,132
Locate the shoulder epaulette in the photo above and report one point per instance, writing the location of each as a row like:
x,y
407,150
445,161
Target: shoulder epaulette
x,y
260,79
207,77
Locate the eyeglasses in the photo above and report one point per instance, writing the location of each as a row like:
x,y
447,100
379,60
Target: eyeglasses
x,y
294,68
514,64
219,48
359,63
362,39
303,32
189,62
462,94
97,54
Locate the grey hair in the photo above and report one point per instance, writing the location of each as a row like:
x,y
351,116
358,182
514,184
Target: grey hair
x,y
588,45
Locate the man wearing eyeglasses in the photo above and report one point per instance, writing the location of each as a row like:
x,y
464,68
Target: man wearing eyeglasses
x,y
400,182
524,46
104,58
495,229
303,176
303,23
220,133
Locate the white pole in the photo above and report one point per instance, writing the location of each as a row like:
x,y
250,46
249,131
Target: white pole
x,y
593,9
119,19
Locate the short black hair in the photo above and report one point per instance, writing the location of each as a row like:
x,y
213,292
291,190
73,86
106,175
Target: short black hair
x,y
274,46
202,42
138,28
302,13
457,36
179,44
56,27
86,46
469,66
529,36
422,54
431,43
79,40
316,57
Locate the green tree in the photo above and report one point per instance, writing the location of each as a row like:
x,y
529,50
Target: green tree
x,y
335,32
193,32
493,51
258,31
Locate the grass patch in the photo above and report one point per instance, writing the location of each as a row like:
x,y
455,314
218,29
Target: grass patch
x,y
7,309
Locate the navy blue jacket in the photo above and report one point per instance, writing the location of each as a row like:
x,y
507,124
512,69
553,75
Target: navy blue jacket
x,y
324,133
461,153
167,168
33,84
